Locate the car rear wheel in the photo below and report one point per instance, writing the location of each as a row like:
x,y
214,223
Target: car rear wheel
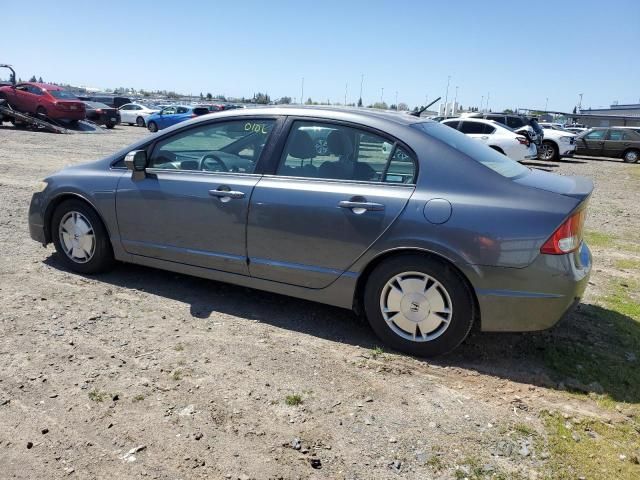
x,y
418,305
110,125
631,156
41,112
140,121
153,127
80,238
548,152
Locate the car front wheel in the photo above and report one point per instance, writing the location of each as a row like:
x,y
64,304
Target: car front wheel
x,y
153,127
418,305
548,152
140,121
80,238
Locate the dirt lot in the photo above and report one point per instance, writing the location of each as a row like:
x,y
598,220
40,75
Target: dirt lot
x,y
144,373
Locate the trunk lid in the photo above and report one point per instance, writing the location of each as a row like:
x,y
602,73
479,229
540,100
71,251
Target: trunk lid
x,y
571,186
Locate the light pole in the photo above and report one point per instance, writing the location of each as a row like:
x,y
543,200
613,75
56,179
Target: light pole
x,y
580,103
361,82
382,96
546,104
302,93
455,100
482,103
446,96
487,101
396,100
346,88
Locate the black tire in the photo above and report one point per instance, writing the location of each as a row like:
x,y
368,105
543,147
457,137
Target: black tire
x,y
631,156
549,152
460,322
110,125
41,112
140,122
152,127
102,258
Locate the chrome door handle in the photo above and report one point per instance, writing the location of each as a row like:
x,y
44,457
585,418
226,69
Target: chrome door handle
x,y
226,194
362,206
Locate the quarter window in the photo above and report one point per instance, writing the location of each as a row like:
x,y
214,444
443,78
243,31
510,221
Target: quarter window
x,y
233,146
618,135
329,151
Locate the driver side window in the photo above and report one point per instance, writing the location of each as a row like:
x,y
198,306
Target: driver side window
x,y
231,146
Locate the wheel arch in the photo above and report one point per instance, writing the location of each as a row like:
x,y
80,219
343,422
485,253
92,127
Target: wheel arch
x,y
57,200
358,297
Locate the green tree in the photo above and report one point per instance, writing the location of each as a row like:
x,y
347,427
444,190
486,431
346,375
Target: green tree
x,y
284,100
360,102
507,110
209,96
309,101
33,79
40,80
381,105
201,96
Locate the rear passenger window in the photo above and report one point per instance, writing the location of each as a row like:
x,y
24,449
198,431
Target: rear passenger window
x,y
515,122
474,128
323,150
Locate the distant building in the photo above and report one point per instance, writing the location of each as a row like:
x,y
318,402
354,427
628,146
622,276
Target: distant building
x,y
448,110
616,112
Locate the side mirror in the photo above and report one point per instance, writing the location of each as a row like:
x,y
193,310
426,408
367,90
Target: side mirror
x,y
136,161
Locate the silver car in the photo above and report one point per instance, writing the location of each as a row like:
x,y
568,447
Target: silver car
x,y
405,220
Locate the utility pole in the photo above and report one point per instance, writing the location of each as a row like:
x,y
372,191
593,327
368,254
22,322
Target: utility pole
x,y
346,88
580,103
482,103
455,100
302,93
546,104
382,96
446,96
396,100
361,82
487,101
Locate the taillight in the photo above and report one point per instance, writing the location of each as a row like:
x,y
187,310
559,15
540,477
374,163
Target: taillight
x,y
567,237
523,141
99,110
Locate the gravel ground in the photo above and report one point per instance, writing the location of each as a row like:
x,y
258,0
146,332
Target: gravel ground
x,y
143,373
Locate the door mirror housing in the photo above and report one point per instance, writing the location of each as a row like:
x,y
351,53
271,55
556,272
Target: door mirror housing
x,y
136,161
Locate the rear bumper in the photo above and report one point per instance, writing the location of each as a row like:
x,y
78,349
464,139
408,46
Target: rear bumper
x,y
535,297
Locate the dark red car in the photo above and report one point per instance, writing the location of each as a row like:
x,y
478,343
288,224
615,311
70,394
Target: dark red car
x,y
45,100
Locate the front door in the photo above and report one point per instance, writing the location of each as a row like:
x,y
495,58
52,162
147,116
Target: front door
x,y
592,143
191,206
324,207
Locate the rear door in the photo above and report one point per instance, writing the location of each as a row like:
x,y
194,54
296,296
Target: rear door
x,y
322,208
191,206
592,143
477,130
616,142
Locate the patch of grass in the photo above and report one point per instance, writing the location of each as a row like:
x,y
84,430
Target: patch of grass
x,y
293,400
176,375
97,396
599,239
524,430
602,353
179,347
475,470
138,398
436,463
627,264
596,454
377,352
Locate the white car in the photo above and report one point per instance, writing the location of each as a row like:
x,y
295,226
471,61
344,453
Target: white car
x,y
557,143
135,114
497,136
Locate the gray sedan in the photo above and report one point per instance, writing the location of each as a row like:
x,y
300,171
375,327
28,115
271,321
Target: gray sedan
x,y
407,221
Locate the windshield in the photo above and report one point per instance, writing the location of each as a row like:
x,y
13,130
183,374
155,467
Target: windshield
x,y
63,94
478,151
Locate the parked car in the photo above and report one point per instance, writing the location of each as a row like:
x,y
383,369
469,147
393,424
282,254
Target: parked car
x,y
136,113
516,122
557,143
44,100
610,142
173,114
423,243
576,130
495,135
111,100
102,114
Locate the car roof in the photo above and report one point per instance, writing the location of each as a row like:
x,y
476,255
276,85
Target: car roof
x,y
45,86
493,123
327,112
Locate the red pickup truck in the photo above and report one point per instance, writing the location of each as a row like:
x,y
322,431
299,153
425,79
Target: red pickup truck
x,y
44,100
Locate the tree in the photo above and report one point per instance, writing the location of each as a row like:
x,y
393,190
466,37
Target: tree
x,y
33,79
40,80
507,110
381,105
209,96
284,100
201,96
403,107
262,98
309,101
360,102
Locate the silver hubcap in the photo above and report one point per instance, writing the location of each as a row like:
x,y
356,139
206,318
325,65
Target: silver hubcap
x,y
77,237
547,151
632,157
416,306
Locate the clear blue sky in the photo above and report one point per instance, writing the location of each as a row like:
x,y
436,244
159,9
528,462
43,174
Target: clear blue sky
x,y
521,54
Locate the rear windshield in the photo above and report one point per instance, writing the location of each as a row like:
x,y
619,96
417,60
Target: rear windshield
x,y
473,148
200,110
63,94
